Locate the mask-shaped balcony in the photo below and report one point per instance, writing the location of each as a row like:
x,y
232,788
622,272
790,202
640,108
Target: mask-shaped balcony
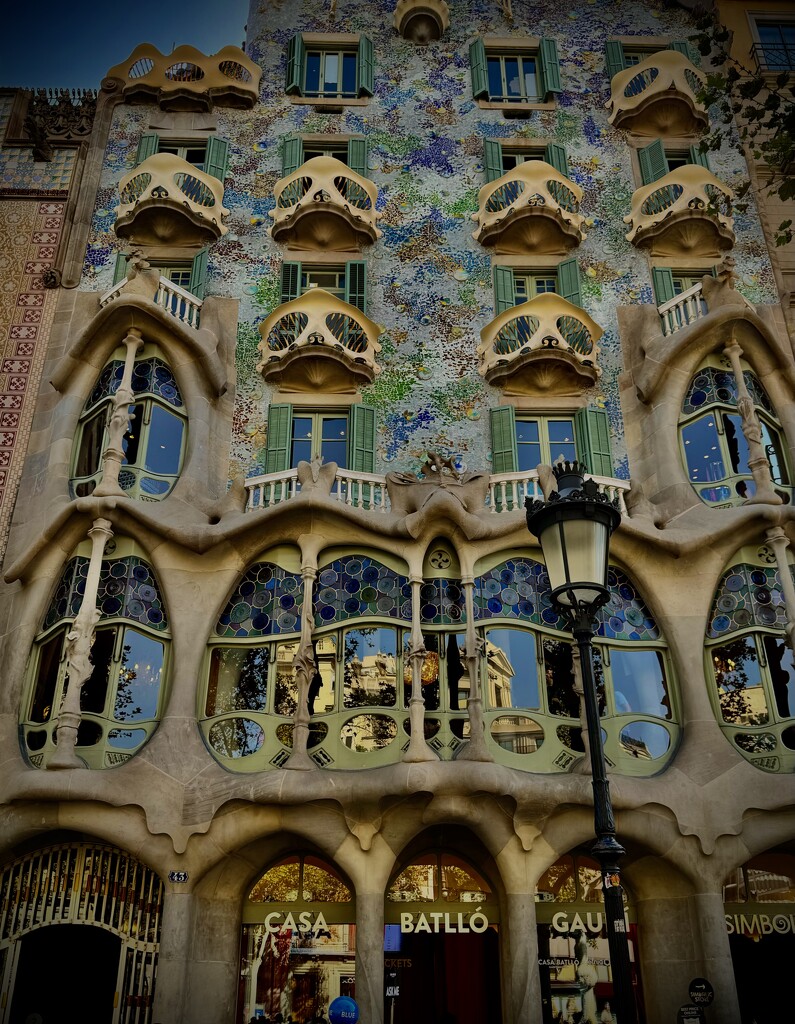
x,y
422,21
317,342
532,208
325,205
544,346
187,79
685,213
658,97
166,200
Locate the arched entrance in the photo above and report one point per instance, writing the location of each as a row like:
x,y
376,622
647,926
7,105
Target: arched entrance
x,y
79,936
441,944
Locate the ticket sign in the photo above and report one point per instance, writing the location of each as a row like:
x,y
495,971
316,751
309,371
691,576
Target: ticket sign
x,y
701,992
689,1013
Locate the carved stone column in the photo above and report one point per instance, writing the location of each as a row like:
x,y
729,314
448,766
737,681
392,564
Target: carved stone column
x,y
752,431
779,542
119,422
78,648
418,749
305,668
475,749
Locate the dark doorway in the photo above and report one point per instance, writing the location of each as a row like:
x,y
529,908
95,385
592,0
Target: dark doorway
x,y
452,979
66,972
759,970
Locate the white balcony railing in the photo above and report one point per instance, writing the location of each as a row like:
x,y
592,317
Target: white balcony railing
x,y
506,493
682,310
169,296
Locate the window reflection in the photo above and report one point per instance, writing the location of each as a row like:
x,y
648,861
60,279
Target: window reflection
x,y
238,679
782,674
370,667
639,682
139,678
739,682
512,672
285,699
559,678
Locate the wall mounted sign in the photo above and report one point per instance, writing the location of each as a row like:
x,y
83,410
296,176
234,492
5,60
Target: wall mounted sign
x,y
701,992
564,922
476,922
760,924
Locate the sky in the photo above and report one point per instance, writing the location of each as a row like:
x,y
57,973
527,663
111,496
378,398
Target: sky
x,y
73,43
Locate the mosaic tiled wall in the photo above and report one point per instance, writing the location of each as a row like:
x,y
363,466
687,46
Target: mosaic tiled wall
x,y
19,172
430,283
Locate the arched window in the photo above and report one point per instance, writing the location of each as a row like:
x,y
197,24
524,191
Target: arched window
x,y
154,445
751,663
714,447
122,700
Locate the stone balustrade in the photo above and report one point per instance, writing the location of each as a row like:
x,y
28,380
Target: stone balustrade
x,y
166,200
169,296
687,212
658,97
187,79
422,21
325,205
317,341
682,310
531,208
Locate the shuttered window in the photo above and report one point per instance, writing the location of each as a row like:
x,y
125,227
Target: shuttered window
x,y
592,428
330,72
513,76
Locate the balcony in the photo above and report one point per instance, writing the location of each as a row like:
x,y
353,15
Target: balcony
x,y
685,213
541,347
167,201
682,310
369,491
325,205
422,21
532,208
317,342
180,304
187,79
658,97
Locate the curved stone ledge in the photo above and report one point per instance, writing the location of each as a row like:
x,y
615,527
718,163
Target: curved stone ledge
x,y
421,21
658,97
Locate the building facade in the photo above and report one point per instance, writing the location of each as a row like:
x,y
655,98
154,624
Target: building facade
x,y
287,711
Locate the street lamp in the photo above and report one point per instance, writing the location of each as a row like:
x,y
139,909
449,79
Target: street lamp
x,y
573,527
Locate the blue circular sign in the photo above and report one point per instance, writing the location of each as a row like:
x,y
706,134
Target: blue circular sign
x,y
343,1010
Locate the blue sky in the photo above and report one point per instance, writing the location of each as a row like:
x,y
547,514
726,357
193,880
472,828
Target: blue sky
x,y
72,44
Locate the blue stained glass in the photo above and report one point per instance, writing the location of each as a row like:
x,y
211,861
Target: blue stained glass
x,y
127,589
747,595
259,603
150,376
357,585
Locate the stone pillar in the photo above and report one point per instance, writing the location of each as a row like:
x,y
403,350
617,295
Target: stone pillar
x,y
519,960
176,935
476,749
214,970
370,956
305,668
119,422
418,749
681,938
779,541
757,460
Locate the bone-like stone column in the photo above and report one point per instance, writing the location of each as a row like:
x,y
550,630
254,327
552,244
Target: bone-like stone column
x,y
476,749
119,422
78,648
418,749
779,541
305,668
370,956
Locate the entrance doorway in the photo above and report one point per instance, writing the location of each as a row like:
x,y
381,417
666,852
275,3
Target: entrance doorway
x,y
66,971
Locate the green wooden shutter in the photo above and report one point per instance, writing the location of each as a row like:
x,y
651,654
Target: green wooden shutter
x,y
120,268
291,281
662,281
216,160
548,65
147,146
697,157
292,154
504,293
198,273
296,57
653,164
614,57
504,452
681,46
361,439
492,159
357,156
592,428
365,72
277,446
555,155
569,281
479,69
356,284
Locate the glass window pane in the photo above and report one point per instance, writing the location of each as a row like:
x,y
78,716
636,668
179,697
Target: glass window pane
x,y
321,687
302,440
286,690
90,453
781,664
417,883
95,691
459,685
561,440
529,73
334,443
639,682
495,77
559,678
528,443
512,673
164,442
589,880
279,884
702,450
739,682
238,679
430,671
132,438
370,667
312,72
140,676
738,446
46,678
557,884
331,71
349,74
774,450
461,883
320,884
513,85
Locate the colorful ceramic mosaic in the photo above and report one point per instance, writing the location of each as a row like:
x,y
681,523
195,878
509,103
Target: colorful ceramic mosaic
x,y
150,376
356,586
712,386
127,590
266,602
442,603
748,595
429,282
20,173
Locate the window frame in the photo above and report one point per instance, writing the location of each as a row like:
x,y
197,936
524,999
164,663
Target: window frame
x,y
776,19
543,51
302,44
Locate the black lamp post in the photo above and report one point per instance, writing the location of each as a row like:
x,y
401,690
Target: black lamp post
x,y
574,527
